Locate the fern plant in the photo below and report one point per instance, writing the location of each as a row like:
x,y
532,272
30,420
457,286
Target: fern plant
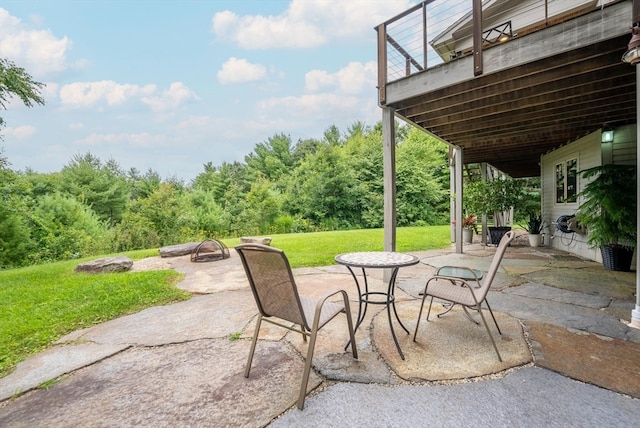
x,y
609,209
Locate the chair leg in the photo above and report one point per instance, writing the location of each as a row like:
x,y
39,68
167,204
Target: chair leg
x,y
429,311
307,367
352,336
424,296
484,321
494,318
254,341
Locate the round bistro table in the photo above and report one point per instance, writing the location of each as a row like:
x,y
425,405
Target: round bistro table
x,y
377,260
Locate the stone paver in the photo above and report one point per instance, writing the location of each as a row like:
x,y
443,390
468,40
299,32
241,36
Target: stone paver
x,y
182,364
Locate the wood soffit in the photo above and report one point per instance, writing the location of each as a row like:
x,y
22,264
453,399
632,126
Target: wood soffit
x,y
511,117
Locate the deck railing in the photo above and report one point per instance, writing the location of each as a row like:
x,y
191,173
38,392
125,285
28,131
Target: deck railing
x,y
404,46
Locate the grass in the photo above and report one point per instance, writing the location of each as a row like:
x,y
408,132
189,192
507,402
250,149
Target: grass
x,y
40,304
320,248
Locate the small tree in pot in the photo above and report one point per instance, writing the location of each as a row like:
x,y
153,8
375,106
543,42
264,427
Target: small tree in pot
x,y
493,197
609,213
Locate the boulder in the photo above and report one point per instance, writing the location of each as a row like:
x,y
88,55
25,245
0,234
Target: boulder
x,y
256,240
106,265
178,250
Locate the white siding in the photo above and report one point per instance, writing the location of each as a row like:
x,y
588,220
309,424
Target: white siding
x,y
521,13
590,152
625,147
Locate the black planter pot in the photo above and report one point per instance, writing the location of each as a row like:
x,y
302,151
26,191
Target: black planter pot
x,y
496,233
617,257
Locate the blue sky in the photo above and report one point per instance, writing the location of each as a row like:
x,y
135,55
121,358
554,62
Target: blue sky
x,y
171,85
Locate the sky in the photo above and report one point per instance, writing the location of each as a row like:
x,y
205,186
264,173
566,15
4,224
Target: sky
x,y
172,85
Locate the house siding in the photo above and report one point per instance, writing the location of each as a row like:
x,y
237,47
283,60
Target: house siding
x,y
590,152
521,13
587,151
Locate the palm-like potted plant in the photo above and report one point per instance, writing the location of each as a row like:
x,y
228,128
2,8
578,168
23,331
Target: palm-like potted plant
x,y
534,227
609,213
493,197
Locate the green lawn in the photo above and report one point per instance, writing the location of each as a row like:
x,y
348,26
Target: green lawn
x,y
319,249
39,304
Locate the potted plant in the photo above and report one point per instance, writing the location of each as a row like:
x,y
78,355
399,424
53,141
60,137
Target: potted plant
x,y
609,213
534,228
469,226
493,197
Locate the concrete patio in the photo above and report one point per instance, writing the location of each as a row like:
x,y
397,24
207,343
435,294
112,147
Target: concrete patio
x,y
569,358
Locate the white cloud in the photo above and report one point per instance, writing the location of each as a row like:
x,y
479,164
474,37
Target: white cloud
x,y
76,125
194,122
312,104
85,94
177,94
355,78
306,23
139,140
38,51
237,70
20,132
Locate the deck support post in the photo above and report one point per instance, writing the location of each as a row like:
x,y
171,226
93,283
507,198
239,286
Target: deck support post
x,y
635,313
389,178
457,172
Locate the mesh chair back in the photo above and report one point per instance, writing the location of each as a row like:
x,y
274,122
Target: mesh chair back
x,y
272,282
495,263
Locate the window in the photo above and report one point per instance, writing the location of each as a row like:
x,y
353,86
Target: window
x,y
567,182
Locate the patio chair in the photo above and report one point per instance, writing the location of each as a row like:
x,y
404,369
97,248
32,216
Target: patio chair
x,y
464,293
276,296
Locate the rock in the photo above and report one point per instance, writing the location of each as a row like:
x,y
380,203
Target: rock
x,y
256,240
106,265
178,250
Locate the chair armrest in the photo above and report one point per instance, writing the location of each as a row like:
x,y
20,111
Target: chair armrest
x,y
471,271
322,300
455,282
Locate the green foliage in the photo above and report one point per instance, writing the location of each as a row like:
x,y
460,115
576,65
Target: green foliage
x,y
204,216
15,240
609,211
335,183
142,185
492,196
534,224
164,209
270,159
135,231
102,187
264,205
422,173
326,191
40,304
15,81
64,228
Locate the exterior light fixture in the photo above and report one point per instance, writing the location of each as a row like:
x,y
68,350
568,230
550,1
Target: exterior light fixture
x,y
607,135
632,55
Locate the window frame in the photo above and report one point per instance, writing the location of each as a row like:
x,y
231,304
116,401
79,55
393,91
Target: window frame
x,y
566,181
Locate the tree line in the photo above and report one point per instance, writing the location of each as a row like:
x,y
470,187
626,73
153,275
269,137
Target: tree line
x,y
94,207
